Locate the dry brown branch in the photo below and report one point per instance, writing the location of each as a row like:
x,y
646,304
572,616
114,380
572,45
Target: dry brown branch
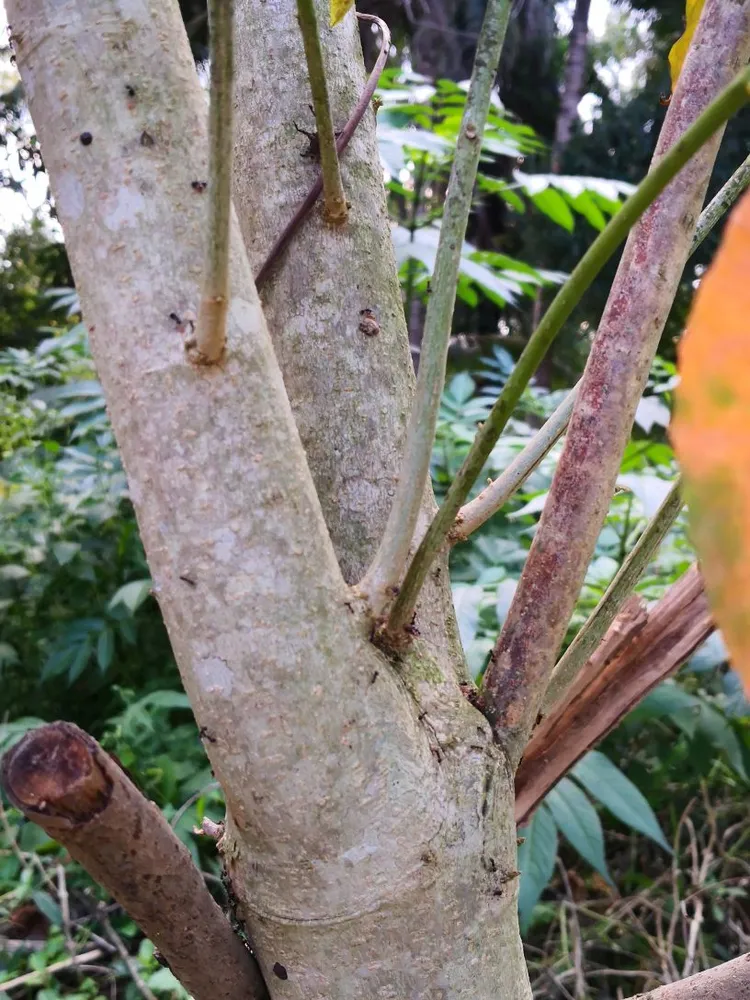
x,y
61,779
640,650
730,981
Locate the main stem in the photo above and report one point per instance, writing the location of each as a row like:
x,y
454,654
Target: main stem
x,y
387,567
715,115
334,199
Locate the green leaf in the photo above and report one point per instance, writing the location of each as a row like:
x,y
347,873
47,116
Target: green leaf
x,y
555,207
132,595
466,602
536,860
80,660
65,551
105,648
616,792
48,906
579,823
13,572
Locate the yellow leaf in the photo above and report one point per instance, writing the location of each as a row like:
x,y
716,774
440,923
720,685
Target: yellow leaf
x,y
711,433
678,52
338,9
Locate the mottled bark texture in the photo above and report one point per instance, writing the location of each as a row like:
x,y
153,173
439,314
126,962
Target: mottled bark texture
x,y
612,384
60,778
730,981
370,834
350,388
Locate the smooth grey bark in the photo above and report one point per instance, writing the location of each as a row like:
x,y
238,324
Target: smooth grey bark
x,y
350,393
370,834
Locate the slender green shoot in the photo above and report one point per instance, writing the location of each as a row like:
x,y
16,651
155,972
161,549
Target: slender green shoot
x,y
732,98
474,514
384,574
334,200
592,631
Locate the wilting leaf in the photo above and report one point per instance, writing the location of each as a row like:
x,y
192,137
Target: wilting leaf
x,y
679,51
711,433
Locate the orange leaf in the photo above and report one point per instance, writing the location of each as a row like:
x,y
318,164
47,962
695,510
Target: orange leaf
x,y
711,433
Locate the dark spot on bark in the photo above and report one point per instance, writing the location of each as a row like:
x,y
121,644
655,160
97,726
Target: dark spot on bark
x,y
138,829
86,138
280,971
206,735
184,577
130,90
374,677
147,140
199,186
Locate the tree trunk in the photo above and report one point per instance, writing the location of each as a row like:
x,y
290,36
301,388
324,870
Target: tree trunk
x,y
575,67
370,834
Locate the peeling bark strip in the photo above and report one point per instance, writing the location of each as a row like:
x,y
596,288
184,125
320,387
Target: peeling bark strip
x,y
641,649
61,779
730,981
612,384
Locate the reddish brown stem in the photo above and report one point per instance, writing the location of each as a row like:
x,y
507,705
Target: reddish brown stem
x,y
61,779
342,142
612,385
641,649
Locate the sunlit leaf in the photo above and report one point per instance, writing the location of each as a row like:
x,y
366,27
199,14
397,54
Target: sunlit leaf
x,y
711,433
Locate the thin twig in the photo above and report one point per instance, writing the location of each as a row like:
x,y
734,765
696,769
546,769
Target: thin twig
x,y
592,631
474,514
721,203
384,574
211,328
730,100
62,895
127,958
30,978
189,802
342,142
335,207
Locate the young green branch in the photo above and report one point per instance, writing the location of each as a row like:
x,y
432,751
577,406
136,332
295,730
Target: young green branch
x,y
623,582
387,567
474,514
730,100
341,143
211,328
335,207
